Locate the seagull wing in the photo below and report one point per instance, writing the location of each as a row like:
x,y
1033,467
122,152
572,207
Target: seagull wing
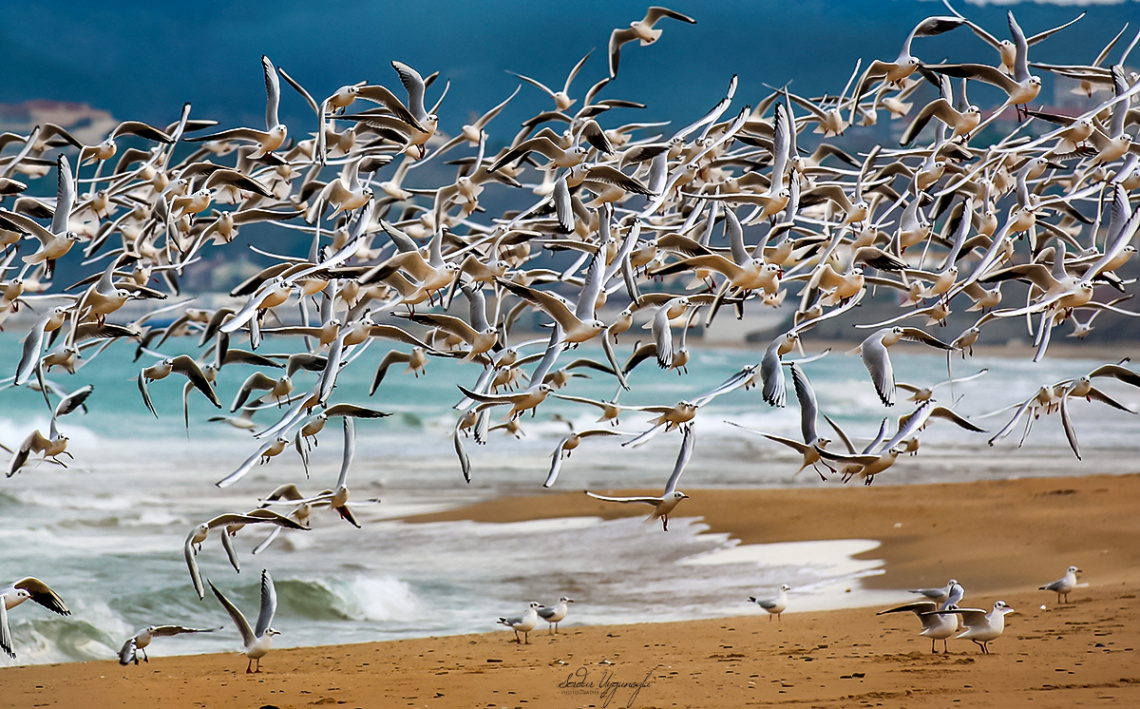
x,y
686,452
239,620
127,653
192,564
268,603
809,409
349,451
186,366
231,550
65,197
245,467
555,463
643,500
917,608
42,594
5,631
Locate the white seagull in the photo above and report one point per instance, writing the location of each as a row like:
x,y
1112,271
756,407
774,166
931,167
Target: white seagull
x,y
19,592
664,503
524,623
982,627
257,640
775,606
1064,585
137,642
553,615
935,625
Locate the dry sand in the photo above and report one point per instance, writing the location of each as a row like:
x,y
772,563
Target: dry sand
x,y
1001,539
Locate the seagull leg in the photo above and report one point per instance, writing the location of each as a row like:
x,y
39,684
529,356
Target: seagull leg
x,y
146,657
249,667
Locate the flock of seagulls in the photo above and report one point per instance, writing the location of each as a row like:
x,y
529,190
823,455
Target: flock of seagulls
x,y
669,227
942,618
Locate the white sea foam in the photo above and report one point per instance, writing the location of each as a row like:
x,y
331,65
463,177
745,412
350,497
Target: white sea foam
x,y
380,599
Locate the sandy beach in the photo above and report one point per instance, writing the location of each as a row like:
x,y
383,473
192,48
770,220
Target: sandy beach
x,y
1000,539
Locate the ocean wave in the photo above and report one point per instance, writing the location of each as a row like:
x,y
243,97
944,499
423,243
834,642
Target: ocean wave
x,y
93,632
360,598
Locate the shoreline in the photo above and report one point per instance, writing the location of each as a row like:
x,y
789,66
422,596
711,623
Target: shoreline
x,y
1083,650
886,513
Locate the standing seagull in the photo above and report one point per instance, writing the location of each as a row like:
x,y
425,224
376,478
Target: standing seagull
x,y
1064,585
553,615
525,622
982,627
668,499
141,639
775,606
935,625
944,597
19,592
257,641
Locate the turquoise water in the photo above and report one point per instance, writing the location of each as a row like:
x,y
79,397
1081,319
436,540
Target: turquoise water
x,y
107,532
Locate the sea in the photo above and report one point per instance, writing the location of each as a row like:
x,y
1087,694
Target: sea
x,y
107,531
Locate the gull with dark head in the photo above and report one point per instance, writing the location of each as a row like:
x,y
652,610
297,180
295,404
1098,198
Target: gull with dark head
x,y
20,591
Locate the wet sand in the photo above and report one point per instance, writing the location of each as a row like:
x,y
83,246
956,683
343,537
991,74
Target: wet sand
x,y
1001,539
